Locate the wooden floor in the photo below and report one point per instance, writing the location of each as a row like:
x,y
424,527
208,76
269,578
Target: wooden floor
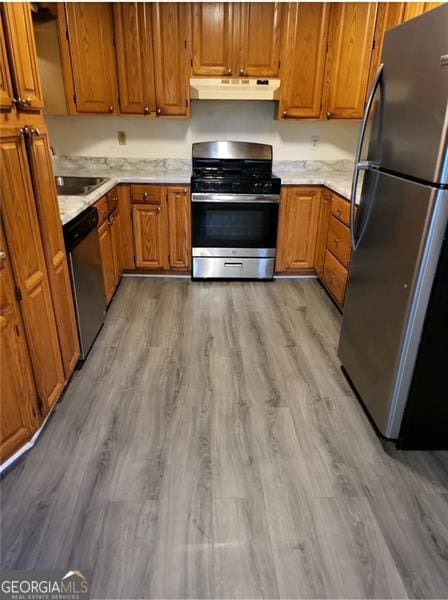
x,y
211,448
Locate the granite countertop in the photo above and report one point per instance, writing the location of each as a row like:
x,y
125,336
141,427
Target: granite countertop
x,y
336,175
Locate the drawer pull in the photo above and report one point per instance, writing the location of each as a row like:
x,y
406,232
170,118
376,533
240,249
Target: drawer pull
x,y
336,242
233,264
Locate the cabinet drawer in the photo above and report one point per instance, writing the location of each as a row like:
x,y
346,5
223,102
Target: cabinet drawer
x,y
101,207
335,278
146,194
340,208
338,241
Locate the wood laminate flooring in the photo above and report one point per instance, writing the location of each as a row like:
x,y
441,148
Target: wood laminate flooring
x,y
210,447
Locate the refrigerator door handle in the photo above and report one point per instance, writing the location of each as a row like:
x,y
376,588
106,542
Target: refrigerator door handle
x,y
362,164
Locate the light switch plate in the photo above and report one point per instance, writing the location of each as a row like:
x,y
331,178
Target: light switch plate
x,y
121,138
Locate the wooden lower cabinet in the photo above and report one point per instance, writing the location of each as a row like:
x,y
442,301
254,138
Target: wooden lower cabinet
x,y
297,230
322,231
126,233
150,236
19,411
333,248
107,260
179,225
115,234
161,227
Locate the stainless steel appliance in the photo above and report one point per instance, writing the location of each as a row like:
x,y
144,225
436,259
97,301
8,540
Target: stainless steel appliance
x,y
391,346
235,200
83,249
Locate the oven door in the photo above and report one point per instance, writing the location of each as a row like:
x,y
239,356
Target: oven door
x,y
234,225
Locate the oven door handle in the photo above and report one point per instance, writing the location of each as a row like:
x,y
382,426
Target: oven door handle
x,y
236,198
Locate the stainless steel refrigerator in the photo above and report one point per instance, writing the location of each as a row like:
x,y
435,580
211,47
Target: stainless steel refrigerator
x,y
397,286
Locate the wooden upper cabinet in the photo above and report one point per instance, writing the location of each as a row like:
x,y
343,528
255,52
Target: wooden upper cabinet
x,y
133,46
18,393
352,26
53,243
90,33
303,60
30,273
6,93
259,39
213,39
171,42
22,53
179,221
298,222
414,9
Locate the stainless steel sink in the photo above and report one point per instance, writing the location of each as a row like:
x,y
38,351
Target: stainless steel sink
x,y
77,186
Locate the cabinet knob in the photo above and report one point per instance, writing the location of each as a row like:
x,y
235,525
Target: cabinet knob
x,y
336,242
229,71
27,101
159,111
329,115
146,110
111,109
158,209
2,258
242,72
285,114
145,195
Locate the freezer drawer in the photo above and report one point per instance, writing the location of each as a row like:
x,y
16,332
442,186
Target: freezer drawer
x,y
401,226
233,268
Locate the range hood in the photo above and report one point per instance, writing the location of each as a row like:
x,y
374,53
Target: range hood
x,y
234,89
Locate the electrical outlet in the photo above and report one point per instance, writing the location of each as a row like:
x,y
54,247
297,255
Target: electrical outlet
x,y
121,138
314,142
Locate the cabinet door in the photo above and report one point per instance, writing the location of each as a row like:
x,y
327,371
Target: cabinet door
x,y
133,48
351,37
107,260
299,212
28,260
127,236
18,392
54,248
179,224
22,52
389,15
6,93
303,61
322,231
171,34
213,38
115,233
259,39
150,236
414,9
89,26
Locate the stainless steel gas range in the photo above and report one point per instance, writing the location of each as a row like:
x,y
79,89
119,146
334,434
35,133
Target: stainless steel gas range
x,y
235,201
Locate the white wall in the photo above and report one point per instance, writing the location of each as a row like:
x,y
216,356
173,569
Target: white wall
x,y
210,120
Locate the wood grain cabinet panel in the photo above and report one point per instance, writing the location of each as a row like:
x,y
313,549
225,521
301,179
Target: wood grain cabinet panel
x,y
126,233
135,70
303,60
335,278
107,261
299,212
115,233
150,236
340,208
179,223
22,54
91,43
414,9
19,416
28,260
338,242
171,43
259,39
6,93
389,15
352,26
213,39
53,242
322,231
